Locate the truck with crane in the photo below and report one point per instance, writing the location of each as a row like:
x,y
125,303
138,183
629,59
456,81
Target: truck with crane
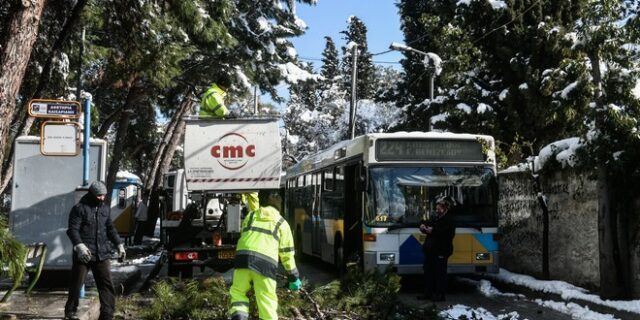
x,y
202,211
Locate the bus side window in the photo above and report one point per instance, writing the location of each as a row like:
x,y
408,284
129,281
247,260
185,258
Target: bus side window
x,y
328,177
338,179
122,198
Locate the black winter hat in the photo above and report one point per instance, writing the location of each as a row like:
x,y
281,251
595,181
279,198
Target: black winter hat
x,y
97,188
446,200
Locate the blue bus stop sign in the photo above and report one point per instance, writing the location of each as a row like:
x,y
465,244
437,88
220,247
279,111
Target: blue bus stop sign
x,y
42,108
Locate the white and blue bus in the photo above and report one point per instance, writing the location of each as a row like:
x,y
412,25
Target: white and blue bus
x,y
362,200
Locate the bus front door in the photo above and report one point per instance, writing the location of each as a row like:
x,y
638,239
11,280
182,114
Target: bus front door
x,y
315,212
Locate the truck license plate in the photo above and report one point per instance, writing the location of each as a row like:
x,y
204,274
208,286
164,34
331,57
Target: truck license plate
x,y
226,254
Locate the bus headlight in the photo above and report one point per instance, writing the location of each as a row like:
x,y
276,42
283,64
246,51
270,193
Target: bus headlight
x,y
387,257
483,256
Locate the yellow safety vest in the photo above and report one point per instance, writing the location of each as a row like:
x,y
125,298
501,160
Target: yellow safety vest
x,y
265,237
212,104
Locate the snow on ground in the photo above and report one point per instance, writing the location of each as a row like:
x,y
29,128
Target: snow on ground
x,y
565,290
459,311
576,311
485,288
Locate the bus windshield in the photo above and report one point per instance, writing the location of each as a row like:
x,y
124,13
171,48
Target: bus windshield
x,y
405,196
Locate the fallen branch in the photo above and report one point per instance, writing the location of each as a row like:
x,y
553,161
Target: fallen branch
x,y
297,314
315,304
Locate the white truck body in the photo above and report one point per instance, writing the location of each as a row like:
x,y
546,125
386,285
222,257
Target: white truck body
x,y
222,158
232,155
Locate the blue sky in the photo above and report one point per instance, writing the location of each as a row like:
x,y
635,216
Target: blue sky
x,y
329,17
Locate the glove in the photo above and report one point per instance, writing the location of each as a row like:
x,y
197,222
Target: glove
x,y
121,252
295,285
84,255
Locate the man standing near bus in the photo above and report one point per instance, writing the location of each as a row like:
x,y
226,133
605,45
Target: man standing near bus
x,y
265,238
90,228
437,248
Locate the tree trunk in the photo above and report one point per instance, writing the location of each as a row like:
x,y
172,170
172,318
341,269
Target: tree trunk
x,y
150,177
164,166
611,268
170,150
27,121
107,123
23,31
136,93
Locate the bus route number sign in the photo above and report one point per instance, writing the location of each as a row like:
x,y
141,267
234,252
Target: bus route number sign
x,y
428,150
54,109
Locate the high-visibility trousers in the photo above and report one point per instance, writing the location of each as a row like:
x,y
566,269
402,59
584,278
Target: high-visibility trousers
x,y
265,291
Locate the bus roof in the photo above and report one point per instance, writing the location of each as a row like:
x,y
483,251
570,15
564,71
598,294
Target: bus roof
x,y
128,178
358,146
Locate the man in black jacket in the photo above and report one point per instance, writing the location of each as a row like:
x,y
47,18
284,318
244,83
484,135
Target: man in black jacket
x,y
90,228
437,248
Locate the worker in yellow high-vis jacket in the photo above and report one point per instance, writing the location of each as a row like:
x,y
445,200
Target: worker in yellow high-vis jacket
x,y
212,103
265,238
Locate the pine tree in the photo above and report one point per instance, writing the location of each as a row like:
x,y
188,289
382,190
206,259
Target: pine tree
x,y
504,71
330,65
611,72
357,33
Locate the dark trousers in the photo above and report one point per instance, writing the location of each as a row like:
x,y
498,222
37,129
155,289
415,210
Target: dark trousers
x,y
139,232
102,276
435,275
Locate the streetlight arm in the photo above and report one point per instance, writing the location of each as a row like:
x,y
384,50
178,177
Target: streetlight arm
x,y
403,47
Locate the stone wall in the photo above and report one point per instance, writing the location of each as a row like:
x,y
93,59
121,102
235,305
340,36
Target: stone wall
x,y
573,226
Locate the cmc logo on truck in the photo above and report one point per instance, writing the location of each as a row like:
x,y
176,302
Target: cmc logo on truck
x,y
233,151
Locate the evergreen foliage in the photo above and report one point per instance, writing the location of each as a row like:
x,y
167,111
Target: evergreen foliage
x,y
12,253
360,295
330,65
511,72
317,112
357,33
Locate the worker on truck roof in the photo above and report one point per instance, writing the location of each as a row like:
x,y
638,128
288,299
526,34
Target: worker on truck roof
x,y
212,104
265,238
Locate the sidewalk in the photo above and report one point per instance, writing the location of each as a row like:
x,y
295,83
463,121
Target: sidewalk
x,y
47,305
50,304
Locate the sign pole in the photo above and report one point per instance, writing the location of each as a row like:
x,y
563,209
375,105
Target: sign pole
x,y
86,144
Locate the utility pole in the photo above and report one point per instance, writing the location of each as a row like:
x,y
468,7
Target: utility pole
x,y
79,80
354,75
255,100
431,70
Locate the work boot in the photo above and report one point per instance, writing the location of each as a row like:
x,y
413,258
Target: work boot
x,y
71,316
